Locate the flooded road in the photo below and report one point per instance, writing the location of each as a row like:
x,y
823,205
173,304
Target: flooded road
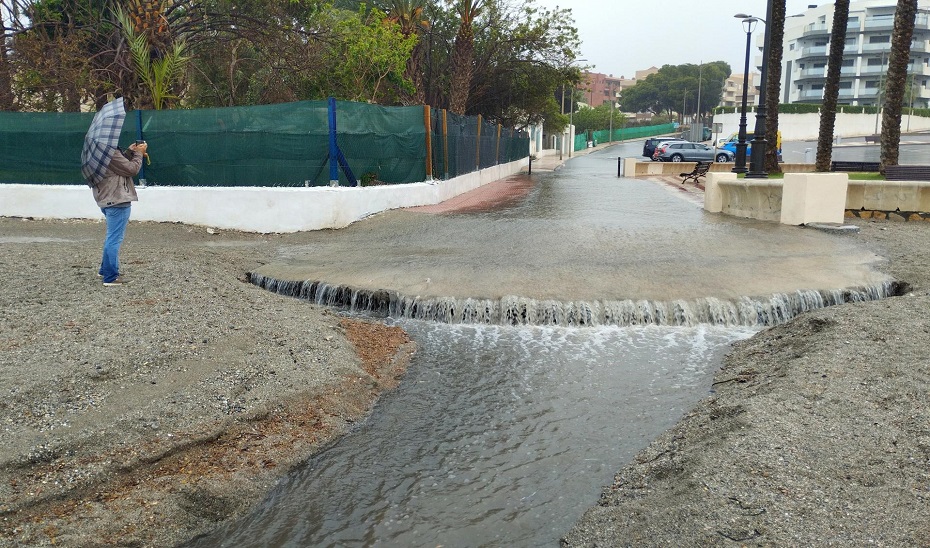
x,y
503,435
579,235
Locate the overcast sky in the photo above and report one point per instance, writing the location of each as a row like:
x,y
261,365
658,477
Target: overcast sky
x,y
620,37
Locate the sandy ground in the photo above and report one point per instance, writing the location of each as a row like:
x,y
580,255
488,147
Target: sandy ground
x,y
817,433
146,414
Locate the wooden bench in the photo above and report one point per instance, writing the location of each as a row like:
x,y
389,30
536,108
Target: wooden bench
x,y
699,171
907,173
853,166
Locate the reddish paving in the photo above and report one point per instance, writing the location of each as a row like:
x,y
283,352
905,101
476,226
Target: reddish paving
x,y
499,194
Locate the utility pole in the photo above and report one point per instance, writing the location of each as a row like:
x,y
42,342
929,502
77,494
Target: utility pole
x,y
699,112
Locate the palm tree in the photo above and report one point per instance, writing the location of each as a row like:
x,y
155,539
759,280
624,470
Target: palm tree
x,y
463,53
896,81
408,14
6,82
773,83
159,60
831,89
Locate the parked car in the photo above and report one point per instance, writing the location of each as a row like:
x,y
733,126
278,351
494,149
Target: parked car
x,y
650,146
684,151
662,146
730,144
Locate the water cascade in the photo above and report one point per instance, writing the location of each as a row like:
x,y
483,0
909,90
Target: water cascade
x,y
512,310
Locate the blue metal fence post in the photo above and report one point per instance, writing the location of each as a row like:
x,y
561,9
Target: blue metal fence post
x,y
333,147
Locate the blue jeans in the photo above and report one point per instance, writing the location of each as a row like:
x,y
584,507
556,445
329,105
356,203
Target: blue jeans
x,y
117,218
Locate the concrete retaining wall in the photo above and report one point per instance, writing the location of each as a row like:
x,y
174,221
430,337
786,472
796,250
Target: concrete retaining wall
x,y
909,196
751,198
251,209
803,198
635,167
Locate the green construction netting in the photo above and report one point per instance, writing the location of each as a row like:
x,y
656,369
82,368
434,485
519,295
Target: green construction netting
x,y
622,134
270,145
466,145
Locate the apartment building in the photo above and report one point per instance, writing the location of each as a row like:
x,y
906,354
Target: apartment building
x,y
598,88
733,91
865,57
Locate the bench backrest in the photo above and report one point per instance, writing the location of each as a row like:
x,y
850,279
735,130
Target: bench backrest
x,y
907,173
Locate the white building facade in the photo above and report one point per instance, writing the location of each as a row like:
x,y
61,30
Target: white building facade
x,y
865,57
733,91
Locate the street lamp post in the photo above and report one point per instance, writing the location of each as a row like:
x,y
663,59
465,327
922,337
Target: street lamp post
x,y
571,124
749,24
757,156
610,134
562,136
700,118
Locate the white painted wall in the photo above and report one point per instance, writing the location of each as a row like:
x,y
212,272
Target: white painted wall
x,y
805,127
251,209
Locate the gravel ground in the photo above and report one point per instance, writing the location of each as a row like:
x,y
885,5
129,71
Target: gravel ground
x,y
817,433
146,414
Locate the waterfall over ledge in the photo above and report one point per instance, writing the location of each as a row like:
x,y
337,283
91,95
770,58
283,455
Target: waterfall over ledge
x,y
511,310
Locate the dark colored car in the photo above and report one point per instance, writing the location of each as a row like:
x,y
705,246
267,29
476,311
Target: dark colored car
x,y
650,147
683,151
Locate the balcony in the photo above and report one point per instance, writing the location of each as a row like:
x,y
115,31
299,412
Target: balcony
x,y
814,51
809,94
816,29
873,69
814,73
872,48
879,24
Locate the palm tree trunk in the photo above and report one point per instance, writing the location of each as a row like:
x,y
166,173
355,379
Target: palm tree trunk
x,y
831,89
463,54
6,81
896,81
414,73
773,85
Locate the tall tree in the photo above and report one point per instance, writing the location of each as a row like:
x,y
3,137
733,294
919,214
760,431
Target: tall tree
x,y
904,19
6,82
670,88
773,84
518,54
831,89
411,19
463,54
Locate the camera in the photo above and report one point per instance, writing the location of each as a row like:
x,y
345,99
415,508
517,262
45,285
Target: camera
x,y
140,142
